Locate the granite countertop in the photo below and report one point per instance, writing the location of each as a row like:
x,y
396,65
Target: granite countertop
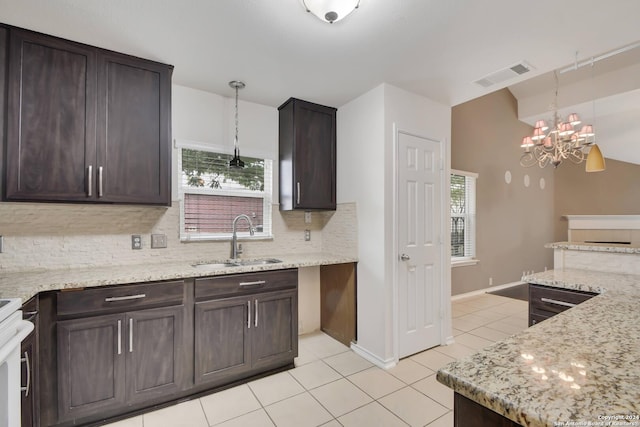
x,y
580,366
25,284
595,247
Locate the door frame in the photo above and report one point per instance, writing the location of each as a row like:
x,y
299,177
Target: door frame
x,y
444,314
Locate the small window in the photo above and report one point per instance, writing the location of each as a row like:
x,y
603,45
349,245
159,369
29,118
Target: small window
x,y
463,215
212,194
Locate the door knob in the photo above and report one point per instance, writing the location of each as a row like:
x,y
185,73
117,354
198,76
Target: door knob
x,y
405,257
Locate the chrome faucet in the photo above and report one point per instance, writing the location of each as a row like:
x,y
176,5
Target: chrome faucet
x,y
235,249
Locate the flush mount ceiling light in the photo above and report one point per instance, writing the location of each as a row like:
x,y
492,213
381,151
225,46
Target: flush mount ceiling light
x,y
331,10
236,162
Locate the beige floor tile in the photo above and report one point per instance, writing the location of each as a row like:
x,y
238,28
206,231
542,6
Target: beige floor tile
x,y
276,387
376,382
491,314
129,422
521,321
332,423
227,404
489,334
305,356
347,363
457,332
432,359
506,326
257,418
456,350
514,306
431,388
410,371
459,310
413,407
322,345
186,414
485,301
468,322
298,411
444,421
372,415
473,341
340,397
314,374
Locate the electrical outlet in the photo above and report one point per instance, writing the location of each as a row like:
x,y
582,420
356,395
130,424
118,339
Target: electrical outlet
x,y
158,241
490,281
136,241
307,217
307,235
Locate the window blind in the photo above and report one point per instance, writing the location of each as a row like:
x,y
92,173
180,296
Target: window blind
x,y
213,194
463,210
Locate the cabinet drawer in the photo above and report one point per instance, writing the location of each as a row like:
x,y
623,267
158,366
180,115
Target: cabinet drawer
x,y
535,318
119,298
555,300
245,282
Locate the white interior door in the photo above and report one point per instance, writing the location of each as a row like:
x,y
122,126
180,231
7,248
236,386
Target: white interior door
x,y
419,214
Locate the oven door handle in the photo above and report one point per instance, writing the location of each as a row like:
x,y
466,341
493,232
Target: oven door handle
x,y
26,388
14,342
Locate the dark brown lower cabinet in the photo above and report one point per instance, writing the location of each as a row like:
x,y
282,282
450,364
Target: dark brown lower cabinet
x,y
110,361
467,413
241,335
547,301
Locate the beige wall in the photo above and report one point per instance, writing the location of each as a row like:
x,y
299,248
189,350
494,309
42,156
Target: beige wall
x,y
615,191
513,221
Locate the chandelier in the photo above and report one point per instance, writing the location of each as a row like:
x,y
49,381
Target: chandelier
x,y
563,140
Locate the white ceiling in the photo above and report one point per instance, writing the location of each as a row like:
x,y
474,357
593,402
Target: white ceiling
x,y
436,48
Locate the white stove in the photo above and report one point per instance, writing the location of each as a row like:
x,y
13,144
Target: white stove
x,y
12,331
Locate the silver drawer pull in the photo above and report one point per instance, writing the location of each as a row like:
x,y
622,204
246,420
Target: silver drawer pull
x,y
100,194
130,335
90,181
257,282
248,314
125,298
556,302
119,336
256,316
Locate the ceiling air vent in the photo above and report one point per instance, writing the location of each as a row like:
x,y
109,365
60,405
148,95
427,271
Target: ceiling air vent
x,y
505,74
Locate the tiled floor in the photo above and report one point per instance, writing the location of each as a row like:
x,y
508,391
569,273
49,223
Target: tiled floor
x,y
332,386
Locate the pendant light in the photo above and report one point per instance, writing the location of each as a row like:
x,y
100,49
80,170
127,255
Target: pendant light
x,y
330,11
236,162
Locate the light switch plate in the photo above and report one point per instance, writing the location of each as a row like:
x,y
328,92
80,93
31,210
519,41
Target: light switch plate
x,y
307,235
307,217
158,241
136,241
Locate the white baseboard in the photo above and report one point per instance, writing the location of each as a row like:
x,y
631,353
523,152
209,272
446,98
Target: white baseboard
x,y
362,352
485,290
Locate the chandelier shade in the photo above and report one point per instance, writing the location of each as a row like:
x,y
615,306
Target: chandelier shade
x,y
331,11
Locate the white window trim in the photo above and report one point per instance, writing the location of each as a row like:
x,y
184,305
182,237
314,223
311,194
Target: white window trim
x,y
268,198
467,261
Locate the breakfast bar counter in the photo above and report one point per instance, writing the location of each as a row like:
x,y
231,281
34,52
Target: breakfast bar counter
x,y
579,367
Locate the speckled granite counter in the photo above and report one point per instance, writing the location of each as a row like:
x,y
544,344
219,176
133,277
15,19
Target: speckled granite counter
x,y
595,247
26,284
579,366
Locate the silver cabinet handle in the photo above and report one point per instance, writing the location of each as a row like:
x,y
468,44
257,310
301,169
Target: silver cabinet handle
x,y
298,191
405,257
26,388
556,302
130,335
90,181
125,298
100,181
257,282
119,336
256,316
248,314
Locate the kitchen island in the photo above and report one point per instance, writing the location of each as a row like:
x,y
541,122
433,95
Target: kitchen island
x,y
577,368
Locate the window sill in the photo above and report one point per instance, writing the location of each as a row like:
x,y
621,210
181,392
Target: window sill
x,y
464,262
196,239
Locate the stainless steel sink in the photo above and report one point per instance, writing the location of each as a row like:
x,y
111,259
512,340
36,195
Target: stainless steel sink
x,y
235,263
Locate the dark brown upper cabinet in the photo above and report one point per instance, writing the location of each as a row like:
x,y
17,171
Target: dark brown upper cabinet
x,y
85,124
307,156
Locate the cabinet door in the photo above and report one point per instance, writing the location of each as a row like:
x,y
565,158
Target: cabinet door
x,y
314,163
134,130
91,365
154,354
222,347
275,328
28,400
51,118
